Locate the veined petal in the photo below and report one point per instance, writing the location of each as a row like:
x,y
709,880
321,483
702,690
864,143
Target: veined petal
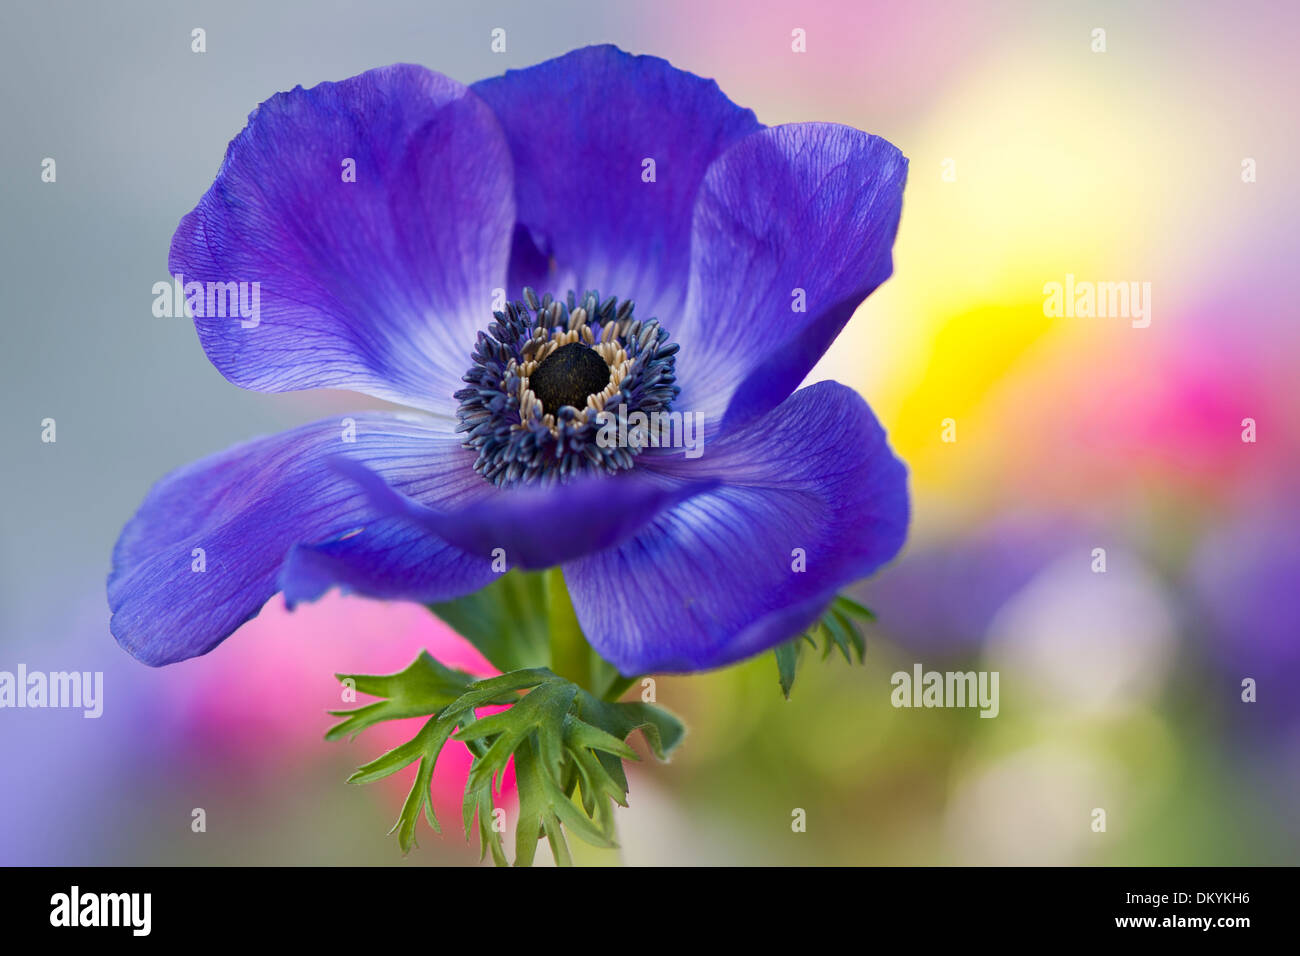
x,y
582,128
793,228
378,284
535,527
208,545
813,500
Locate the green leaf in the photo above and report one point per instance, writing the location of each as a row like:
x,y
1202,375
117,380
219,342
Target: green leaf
x,y
844,636
498,690
478,805
555,752
662,731
541,712
423,688
506,620
536,816
852,608
567,745
430,741
598,788
837,629
787,661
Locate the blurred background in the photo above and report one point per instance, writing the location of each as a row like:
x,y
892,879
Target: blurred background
x,y
1033,155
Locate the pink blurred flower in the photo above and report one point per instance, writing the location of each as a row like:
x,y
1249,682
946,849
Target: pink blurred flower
x,y
260,702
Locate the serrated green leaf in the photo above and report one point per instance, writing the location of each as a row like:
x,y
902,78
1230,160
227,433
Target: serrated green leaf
x,y
837,629
543,807
579,733
568,749
856,636
598,787
841,634
478,804
428,743
661,730
540,712
578,822
423,688
787,662
391,762
533,807
498,690
847,605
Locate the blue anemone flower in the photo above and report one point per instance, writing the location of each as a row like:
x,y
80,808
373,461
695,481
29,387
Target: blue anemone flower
x,y
384,217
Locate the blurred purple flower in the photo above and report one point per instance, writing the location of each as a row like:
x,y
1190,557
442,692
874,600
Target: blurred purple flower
x,y
942,598
1244,578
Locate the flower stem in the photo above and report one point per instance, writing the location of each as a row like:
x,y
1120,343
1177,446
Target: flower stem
x,y
573,659
617,686
570,653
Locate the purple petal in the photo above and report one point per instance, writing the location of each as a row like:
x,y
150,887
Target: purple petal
x,y
538,527
811,207
714,580
249,505
377,285
581,128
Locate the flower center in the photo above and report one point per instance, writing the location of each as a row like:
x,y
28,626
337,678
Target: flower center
x,y
568,376
547,374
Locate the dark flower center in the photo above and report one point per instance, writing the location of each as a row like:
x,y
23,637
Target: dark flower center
x,y
550,380
568,376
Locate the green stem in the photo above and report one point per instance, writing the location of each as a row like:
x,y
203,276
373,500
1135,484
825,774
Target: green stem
x,y
573,659
570,653
618,686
